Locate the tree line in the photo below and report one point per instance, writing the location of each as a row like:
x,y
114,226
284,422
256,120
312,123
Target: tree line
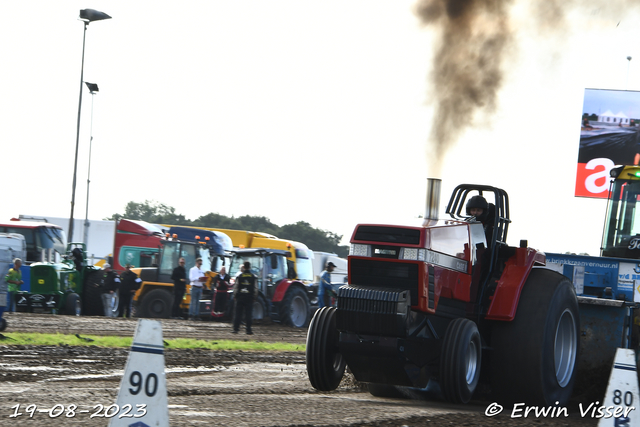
x,y
159,213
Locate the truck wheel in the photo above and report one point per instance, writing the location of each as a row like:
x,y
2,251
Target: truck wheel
x,y
460,361
91,295
295,309
534,356
73,305
325,364
259,308
3,325
156,304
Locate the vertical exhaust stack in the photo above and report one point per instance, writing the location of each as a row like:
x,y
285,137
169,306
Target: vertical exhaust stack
x,y
432,202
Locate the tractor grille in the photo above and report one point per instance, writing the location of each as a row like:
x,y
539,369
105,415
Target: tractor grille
x,y
373,311
386,274
432,281
405,236
43,279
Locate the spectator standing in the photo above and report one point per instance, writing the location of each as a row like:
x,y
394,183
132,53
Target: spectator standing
x,y
244,293
222,287
197,279
129,284
179,277
325,290
110,285
14,280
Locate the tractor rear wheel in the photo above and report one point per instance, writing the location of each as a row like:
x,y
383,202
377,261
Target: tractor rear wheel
x,y
156,304
534,356
91,295
295,309
460,361
73,305
325,364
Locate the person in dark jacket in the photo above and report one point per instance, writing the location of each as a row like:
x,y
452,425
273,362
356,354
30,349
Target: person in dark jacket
x,y
179,277
110,284
478,208
244,292
129,284
222,287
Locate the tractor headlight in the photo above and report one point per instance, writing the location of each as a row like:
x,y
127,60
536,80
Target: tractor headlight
x,y
413,254
360,250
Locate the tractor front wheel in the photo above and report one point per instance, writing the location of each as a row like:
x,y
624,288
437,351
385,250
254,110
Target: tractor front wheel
x,y
325,364
259,311
295,309
534,356
156,304
460,361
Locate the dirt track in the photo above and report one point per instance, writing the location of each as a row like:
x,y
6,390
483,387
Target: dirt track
x,y
209,387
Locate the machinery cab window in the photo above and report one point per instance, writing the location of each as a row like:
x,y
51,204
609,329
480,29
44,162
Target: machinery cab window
x,y
621,237
463,241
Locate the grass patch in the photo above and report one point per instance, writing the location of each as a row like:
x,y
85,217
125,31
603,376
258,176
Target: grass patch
x,y
19,338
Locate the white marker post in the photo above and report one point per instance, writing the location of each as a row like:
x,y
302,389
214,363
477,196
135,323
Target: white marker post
x,y
622,392
142,399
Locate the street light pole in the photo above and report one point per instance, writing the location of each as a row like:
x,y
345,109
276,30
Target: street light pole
x,y
93,88
86,16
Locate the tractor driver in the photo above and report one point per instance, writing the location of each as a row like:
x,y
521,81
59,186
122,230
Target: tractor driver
x,y
478,207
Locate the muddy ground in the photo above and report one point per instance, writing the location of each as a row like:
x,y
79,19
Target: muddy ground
x,y
209,388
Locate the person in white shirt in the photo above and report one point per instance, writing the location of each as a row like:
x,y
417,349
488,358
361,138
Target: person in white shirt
x,y
197,278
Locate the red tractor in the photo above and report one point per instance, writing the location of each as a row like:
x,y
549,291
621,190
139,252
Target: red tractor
x,y
450,302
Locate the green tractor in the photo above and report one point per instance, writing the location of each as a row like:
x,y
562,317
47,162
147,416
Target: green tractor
x,y
69,287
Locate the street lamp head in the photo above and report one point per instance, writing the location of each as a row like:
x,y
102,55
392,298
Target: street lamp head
x,y
93,87
90,15
628,58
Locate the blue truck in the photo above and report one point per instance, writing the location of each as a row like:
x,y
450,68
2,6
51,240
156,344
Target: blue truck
x,y
608,286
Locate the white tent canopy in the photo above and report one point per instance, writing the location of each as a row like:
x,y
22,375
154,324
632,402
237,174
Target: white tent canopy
x,y
609,117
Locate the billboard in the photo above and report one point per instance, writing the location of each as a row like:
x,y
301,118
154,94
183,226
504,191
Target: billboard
x,y
609,136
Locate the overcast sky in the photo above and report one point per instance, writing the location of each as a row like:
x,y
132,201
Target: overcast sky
x,y
315,111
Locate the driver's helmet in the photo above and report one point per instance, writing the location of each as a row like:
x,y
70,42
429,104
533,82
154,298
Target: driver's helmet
x,y
478,202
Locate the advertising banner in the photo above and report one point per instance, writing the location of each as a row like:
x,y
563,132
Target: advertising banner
x,y
609,136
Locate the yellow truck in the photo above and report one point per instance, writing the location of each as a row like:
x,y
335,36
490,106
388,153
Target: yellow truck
x,y
154,299
287,299
300,260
